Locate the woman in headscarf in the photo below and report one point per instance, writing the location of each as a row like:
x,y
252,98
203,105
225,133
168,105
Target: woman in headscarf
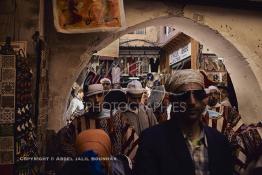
x,y
93,148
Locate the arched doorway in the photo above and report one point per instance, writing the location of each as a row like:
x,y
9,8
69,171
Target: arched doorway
x,y
243,79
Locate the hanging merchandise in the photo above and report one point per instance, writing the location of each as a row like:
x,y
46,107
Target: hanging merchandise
x,y
83,16
144,65
214,69
91,78
17,118
25,128
154,64
132,66
123,66
7,105
116,72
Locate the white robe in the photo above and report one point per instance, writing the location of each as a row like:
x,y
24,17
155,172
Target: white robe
x,y
116,75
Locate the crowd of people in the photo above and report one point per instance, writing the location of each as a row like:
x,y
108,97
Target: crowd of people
x,y
194,130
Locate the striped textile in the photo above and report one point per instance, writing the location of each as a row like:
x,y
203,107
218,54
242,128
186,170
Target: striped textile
x,y
219,123
65,141
246,142
123,137
245,139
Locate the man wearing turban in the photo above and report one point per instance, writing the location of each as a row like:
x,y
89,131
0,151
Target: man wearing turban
x,y
183,145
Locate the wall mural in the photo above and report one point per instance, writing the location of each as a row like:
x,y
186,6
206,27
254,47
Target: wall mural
x,y
83,16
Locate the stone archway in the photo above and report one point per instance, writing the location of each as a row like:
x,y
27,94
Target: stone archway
x,y
246,85
233,58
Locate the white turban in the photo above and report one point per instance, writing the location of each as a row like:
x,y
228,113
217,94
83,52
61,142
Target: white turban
x,y
105,80
182,77
213,88
207,91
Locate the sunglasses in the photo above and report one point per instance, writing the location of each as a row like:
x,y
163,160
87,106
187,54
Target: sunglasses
x,y
184,95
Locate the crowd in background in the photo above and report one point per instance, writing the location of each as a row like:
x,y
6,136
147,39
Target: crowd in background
x,y
131,130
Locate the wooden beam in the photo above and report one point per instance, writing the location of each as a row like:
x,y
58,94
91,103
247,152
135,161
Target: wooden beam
x,y
194,53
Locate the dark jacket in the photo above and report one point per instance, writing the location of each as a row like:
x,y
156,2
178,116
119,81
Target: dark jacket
x,y
119,166
163,150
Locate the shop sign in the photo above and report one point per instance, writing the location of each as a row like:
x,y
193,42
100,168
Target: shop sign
x,y
180,54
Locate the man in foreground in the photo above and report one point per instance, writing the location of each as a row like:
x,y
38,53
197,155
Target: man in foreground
x,y
183,145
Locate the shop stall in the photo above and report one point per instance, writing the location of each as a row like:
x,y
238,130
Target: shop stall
x,y
18,136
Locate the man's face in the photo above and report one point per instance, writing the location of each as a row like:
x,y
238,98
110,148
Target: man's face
x,y
106,86
117,86
96,101
224,93
213,98
134,100
80,95
144,99
192,95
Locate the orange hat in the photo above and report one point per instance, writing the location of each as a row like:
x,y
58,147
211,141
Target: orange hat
x,y
94,139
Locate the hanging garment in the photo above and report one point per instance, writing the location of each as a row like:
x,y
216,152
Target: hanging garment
x,y
91,78
145,65
154,63
132,67
116,74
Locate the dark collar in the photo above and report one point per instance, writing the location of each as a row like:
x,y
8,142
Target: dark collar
x,y
180,150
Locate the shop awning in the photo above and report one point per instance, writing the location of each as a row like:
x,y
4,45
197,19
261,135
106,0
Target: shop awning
x,y
139,52
177,42
111,51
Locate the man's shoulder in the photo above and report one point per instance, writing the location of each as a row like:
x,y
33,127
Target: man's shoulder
x,y
211,130
215,134
125,113
158,130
